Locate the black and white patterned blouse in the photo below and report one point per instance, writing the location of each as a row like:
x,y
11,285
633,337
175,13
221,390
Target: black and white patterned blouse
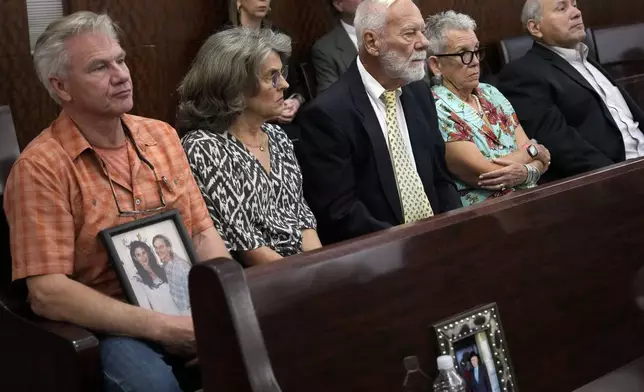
x,y
251,208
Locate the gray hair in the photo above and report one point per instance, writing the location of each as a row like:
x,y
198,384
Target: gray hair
x,y
224,73
50,53
531,11
371,15
438,25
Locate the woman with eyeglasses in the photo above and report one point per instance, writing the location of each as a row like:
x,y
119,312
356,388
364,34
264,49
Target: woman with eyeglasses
x,y
245,167
253,14
486,148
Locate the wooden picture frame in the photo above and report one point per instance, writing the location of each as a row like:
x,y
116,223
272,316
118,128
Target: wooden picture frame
x,y
152,257
478,333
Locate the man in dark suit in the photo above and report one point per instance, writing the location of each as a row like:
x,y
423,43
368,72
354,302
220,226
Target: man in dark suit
x,y
479,380
565,100
371,153
333,53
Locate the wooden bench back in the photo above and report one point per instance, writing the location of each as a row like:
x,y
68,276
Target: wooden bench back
x,y
559,261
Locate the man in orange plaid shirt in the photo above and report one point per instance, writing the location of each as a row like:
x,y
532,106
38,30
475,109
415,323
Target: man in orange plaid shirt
x,y
96,167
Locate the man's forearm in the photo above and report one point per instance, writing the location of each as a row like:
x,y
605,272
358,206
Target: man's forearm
x,y
59,298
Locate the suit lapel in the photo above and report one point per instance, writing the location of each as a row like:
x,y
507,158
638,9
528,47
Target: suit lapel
x,y
378,143
418,136
565,67
347,50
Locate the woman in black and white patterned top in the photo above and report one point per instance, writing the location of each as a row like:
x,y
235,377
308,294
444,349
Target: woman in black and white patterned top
x,y
246,168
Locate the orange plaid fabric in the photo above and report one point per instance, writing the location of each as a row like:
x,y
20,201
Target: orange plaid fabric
x,y
57,199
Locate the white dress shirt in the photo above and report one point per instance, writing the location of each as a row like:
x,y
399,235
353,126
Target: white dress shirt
x,y
351,31
374,92
610,94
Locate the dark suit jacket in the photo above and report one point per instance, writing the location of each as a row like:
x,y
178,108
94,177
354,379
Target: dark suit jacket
x,y
561,110
331,56
484,384
348,176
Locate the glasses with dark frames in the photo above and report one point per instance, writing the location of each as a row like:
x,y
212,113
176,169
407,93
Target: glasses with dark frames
x,y
467,56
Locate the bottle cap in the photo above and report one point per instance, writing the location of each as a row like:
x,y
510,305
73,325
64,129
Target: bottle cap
x,y
445,362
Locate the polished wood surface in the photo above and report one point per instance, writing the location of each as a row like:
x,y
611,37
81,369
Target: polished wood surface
x,y
629,378
239,340
42,355
20,88
558,260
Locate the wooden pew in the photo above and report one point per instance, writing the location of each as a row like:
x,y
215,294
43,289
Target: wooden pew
x,y
559,261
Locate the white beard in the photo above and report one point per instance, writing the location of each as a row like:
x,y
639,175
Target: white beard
x,y
404,69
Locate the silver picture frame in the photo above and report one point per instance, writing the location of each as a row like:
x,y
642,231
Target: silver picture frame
x,y
478,332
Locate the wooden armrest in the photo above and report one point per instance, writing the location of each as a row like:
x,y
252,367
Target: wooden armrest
x,y
229,340
80,338
39,354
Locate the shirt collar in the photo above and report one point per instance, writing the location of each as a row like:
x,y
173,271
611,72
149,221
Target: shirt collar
x,y
351,30
74,143
373,87
578,54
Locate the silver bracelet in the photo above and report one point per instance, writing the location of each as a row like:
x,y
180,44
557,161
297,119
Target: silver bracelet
x,y
533,175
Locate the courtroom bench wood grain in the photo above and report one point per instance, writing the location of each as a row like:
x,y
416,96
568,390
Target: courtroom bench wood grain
x,y
558,260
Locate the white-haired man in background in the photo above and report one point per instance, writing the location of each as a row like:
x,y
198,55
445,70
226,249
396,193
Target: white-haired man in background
x,y
371,153
93,168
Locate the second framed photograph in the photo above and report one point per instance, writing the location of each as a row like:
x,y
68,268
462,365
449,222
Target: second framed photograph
x,y
152,258
476,341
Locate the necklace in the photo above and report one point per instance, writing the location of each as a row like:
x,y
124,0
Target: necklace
x,y
262,144
479,110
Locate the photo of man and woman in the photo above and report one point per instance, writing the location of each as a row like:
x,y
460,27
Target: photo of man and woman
x,y
475,363
156,264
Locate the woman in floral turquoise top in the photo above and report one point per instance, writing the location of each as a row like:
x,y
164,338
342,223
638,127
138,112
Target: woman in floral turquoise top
x,y
485,147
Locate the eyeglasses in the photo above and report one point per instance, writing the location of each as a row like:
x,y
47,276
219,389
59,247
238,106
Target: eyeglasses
x,y
467,56
156,178
275,76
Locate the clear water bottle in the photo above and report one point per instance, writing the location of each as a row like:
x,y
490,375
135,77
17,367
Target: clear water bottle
x,y
448,379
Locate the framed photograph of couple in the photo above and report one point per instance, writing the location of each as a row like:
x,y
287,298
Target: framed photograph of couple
x,y
476,341
152,257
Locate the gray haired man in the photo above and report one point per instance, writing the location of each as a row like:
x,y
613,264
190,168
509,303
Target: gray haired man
x,y
93,168
565,100
371,152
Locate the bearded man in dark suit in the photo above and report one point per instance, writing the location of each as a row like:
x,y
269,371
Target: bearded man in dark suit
x,y
371,153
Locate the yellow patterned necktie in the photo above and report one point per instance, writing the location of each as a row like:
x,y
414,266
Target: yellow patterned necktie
x,y
413,198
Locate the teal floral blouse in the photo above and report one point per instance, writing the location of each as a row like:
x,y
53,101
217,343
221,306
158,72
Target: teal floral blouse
x,y
459,122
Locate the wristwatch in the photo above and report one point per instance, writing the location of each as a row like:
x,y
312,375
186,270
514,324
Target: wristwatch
x,y
533,151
